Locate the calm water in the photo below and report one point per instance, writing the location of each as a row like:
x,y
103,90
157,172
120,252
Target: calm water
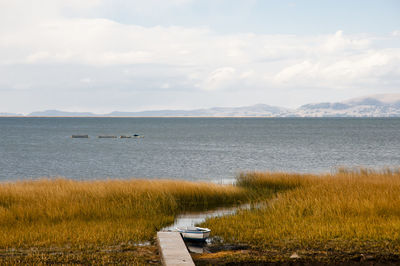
x,y
192,148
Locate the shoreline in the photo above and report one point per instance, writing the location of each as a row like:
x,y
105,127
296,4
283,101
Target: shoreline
x,y
284,117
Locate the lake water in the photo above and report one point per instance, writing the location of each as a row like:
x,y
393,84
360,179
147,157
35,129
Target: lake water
x,y
192,148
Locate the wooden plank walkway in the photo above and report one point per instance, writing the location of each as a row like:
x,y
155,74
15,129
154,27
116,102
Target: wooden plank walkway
x,y
173,250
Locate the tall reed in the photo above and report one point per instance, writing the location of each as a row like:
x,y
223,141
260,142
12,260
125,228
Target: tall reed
x,y
61,211
348,210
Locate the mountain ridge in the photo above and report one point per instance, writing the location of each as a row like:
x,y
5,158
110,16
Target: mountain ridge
x,y
381,105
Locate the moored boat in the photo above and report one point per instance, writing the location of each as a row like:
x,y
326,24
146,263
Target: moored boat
x,y
194,233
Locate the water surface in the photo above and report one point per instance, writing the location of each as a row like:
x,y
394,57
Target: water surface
x,y
192,148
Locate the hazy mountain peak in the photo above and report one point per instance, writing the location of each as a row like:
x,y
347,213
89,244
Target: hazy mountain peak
x,y
381,105
60,113
377,98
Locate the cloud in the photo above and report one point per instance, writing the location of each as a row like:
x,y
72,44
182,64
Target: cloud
x,y
46,42
367,69
396,33
86,80
220,78
340,42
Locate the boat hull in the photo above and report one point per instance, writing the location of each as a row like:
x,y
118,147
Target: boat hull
x,y
196,236
194,233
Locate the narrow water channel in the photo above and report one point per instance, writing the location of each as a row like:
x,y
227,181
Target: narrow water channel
x,y
195,218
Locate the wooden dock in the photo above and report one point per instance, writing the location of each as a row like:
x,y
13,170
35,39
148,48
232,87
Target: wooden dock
x,y
173,250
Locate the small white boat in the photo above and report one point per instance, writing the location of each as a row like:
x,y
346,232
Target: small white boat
x,y
194,233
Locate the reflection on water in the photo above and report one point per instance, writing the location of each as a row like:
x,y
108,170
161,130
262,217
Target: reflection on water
x,y
197,247
195,218
142,244
225,181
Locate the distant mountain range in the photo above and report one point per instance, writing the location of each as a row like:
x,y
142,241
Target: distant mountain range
x,y
10,114
62,113
383,105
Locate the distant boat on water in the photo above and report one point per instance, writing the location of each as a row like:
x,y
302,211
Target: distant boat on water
x,y
108,136
80,136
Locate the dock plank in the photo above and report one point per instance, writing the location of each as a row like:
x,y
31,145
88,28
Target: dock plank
x,y
173,250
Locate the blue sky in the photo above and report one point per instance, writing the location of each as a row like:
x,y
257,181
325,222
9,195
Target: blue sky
x,y
267,16
104,55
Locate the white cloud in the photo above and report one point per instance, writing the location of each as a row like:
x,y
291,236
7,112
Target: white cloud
x,y
220,78
340,42
367,69
86,80
136,58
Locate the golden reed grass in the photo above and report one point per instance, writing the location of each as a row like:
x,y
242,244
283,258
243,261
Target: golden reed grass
x,y
351,210
60,212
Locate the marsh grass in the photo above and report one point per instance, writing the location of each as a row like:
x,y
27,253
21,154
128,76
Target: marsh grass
x,y
356,210
350,211
62,212
262,183
130,255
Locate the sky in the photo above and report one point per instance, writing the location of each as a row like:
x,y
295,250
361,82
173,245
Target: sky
x,y
119,55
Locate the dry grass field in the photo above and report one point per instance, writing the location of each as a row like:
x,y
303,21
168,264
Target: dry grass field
x,y
85,213
66,221
350,212
330,217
